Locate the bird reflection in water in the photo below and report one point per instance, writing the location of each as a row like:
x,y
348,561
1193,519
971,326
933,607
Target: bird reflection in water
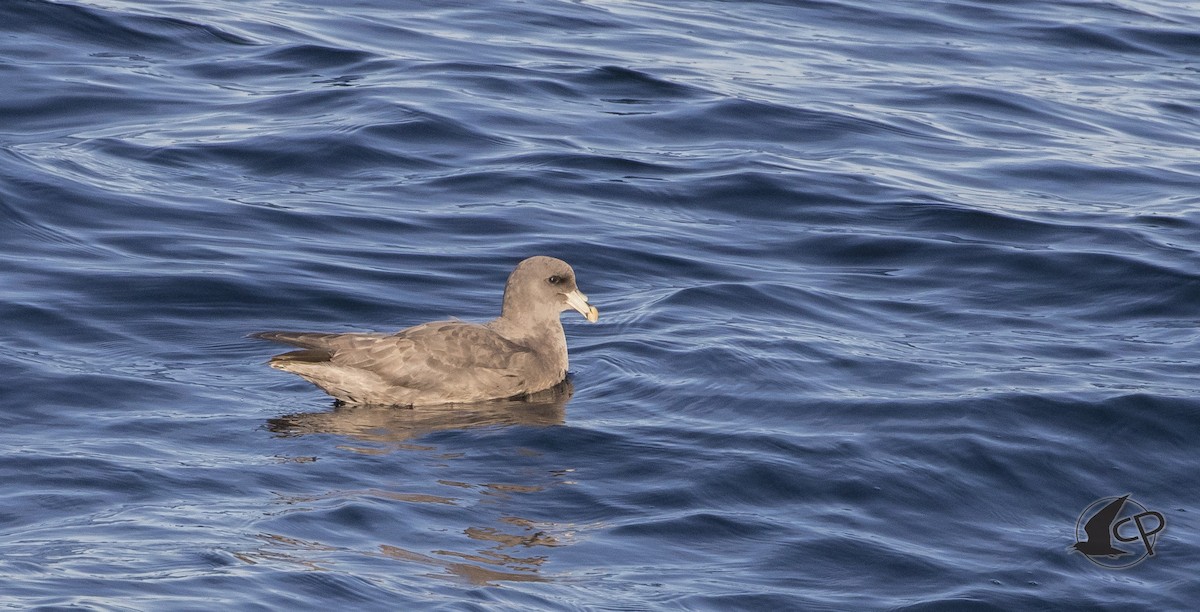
x,y
509,547
391,424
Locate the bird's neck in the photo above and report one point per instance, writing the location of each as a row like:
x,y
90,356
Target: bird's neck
x,y
527,330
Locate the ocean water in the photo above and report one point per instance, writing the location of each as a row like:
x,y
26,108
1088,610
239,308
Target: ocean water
x,y
890,293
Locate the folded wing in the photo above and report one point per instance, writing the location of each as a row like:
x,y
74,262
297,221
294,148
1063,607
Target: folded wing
x,y
449,358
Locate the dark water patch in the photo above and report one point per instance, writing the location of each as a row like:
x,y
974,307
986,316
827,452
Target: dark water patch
x,y
764,300
551,20
984,13
730,120
110,30
1173,41
747,601
311,108
891,19
510,82
1178,108
1168,221
957,224
281,61
62,109
422,131
1116,182
629,86
330,154
1016,111
577,19
969,603
702,530
869,251
308,57
1079,36
1119,288
601,165
772,195
30,226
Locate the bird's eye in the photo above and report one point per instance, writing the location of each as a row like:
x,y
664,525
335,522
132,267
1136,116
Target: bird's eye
x,y
554,280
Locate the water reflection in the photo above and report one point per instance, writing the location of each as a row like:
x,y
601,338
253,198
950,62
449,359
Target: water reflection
x,y
498,546
390,424
486,568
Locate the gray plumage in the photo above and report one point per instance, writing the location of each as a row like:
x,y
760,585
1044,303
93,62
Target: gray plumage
x,y
523,351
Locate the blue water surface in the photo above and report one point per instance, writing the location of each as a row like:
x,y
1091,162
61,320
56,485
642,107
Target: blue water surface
x,y
890,293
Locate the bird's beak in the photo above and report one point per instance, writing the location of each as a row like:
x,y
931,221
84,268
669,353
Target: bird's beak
x,y
579,302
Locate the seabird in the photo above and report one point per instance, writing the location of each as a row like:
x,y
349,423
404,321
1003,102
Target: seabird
x,y
521,352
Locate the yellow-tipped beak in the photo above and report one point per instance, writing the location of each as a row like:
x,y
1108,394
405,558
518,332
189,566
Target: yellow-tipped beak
x,y
579,302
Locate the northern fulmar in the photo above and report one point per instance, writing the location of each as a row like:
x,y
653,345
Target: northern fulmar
x,y
521,352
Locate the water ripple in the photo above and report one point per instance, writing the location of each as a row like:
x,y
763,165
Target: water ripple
x,y
888,294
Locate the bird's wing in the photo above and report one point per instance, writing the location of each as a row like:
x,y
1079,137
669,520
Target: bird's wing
x,y
431,354
426,357
451,344
314,340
